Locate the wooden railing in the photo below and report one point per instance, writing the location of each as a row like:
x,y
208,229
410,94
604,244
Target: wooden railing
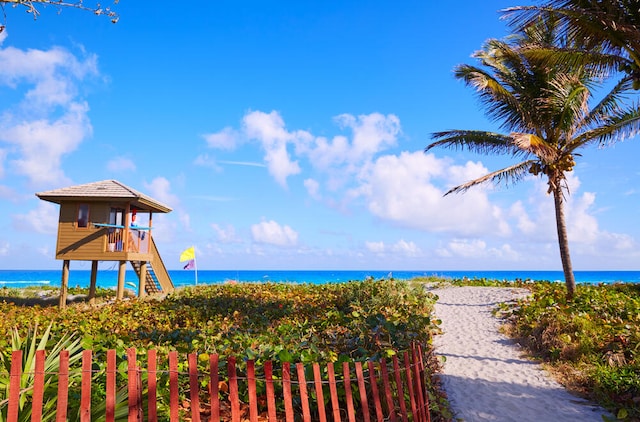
x,y
356,391
123,239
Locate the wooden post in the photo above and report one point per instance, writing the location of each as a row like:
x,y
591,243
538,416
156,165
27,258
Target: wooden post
x,y
92,286
121,271
143,278
64,285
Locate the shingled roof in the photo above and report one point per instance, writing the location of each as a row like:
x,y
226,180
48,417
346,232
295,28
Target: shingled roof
x,y
106,190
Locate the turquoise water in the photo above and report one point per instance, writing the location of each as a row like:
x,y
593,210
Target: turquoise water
x,y
108,278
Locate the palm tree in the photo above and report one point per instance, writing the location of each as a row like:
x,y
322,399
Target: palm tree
x,y
609,30
547,112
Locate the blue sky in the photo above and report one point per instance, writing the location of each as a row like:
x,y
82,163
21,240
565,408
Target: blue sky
x,y
286,135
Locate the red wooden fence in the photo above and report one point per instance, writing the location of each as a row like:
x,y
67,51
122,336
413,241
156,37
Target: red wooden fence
x,y
394,391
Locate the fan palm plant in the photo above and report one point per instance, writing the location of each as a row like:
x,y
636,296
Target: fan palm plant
x,y
546,110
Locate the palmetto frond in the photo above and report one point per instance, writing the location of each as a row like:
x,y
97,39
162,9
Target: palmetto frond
x,y
508,175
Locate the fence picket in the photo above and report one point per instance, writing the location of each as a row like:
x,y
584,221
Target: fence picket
x,y
194,387
251,387
111,386
362,389
286,391
63,387
173,387
375,392
85,400
384,374
271,397
317,377
400,391
422,410
152,385
214,387
333,388
348,393
234,397
412,398
38,387
134,400
14,386
304,395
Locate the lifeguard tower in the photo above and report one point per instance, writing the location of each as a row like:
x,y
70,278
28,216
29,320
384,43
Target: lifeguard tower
x,y
109,221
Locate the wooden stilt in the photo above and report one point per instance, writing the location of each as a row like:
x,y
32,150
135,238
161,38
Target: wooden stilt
x,y
143,278
64,285
121,271
92,286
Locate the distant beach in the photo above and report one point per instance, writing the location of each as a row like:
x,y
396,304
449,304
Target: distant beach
x,y
107,277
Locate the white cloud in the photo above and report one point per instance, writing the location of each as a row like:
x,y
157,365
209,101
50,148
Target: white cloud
x,y
225,234
226,139
42,219
205,161
120,164
52,73
270,131
478,249
313,188
160,189
406,248
42,143
50,120
270,232
4,246
372,133
375,247
402,189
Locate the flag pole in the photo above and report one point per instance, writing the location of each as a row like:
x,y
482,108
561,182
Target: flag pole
x,y
195,265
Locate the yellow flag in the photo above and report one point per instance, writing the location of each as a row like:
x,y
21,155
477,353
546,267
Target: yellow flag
x,y
188,254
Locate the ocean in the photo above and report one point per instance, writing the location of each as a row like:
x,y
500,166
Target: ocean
x,y
107,278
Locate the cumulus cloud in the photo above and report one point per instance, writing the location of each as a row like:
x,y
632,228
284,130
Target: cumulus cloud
x,y
269,129
406,248
160,189
372,133
270,232
405,190
42,143
226,234
120,164
226,139
50,120
313,188
477,249
42,219
375,247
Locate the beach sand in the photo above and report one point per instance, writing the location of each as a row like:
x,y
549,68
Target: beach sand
x,y
486,376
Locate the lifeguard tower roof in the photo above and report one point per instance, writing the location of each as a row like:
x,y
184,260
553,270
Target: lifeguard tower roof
x,y
106,190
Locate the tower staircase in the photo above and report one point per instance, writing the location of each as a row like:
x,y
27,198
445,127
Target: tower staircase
x,y
157,279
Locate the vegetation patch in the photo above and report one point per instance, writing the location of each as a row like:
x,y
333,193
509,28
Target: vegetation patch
x,y
591,342
354,321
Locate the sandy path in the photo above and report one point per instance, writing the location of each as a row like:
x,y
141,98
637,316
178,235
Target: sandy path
x,y
485,376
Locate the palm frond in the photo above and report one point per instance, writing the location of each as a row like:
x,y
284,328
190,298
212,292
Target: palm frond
x,y
534,145
507,176
477,141
501,104
610,102
621,125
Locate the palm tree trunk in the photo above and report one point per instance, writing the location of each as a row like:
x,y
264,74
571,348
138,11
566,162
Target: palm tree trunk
x,y
563,240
